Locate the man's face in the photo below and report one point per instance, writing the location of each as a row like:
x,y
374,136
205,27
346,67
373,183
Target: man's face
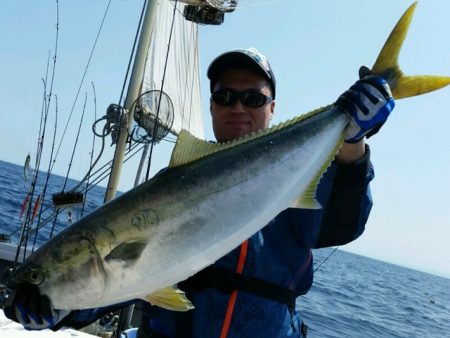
x,y
236,120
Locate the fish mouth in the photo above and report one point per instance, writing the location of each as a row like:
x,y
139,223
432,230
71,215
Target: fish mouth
x,y
70,278
19,276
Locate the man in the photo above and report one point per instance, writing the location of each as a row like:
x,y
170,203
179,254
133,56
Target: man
x,y
251,292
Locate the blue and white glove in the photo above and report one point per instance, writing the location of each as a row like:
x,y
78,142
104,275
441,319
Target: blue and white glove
x,y
368,102
34,311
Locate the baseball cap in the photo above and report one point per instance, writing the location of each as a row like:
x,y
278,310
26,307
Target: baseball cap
x,y
250,57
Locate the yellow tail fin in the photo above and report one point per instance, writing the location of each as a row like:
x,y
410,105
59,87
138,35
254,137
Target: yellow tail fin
x,y
387,66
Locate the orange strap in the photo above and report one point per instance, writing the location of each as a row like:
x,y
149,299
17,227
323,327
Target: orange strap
x,y
233,296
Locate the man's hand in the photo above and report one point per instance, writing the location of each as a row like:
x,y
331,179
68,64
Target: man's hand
x,y
369,102
28,307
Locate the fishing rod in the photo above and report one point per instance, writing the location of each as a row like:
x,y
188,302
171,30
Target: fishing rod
x,y
192,84
48,172
26,205
105,172
156,125
79,89
62,195
23,238
82,80
92,148
41,138
76,141
326,258
101,176
48,96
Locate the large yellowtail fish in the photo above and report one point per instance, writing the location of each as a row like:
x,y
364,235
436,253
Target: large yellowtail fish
x,y
212,198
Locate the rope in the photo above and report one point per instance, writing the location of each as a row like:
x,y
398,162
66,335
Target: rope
x,y
193,35
155,127
133,49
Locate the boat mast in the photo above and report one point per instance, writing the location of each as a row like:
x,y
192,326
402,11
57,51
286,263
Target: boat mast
x,y
132,94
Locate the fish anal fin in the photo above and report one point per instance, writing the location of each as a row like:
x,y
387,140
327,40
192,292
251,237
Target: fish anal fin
x,y
128,251
307,201
170,298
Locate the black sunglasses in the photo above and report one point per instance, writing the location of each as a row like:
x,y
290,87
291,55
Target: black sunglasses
x,y
228,97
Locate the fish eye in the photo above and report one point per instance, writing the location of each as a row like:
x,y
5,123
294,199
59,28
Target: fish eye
x,y
35,277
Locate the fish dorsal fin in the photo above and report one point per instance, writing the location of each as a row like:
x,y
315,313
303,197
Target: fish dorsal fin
x,y
170,298
190,148
308,199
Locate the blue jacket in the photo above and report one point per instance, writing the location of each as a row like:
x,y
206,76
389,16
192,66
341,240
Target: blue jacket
x,y
279,253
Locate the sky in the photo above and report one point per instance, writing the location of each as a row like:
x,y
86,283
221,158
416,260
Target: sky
x,y
315,48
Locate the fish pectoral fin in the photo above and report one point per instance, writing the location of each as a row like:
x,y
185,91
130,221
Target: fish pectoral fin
x,y
127,251
170,298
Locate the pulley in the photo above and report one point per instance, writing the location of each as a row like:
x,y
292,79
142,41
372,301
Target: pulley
x,y
225,6
208,12
204,15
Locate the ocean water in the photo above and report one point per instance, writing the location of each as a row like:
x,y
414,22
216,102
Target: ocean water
x,y
352,296
13,190
358,297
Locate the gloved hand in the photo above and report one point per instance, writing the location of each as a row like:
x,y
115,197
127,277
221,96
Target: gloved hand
x,y
369,102
34,311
